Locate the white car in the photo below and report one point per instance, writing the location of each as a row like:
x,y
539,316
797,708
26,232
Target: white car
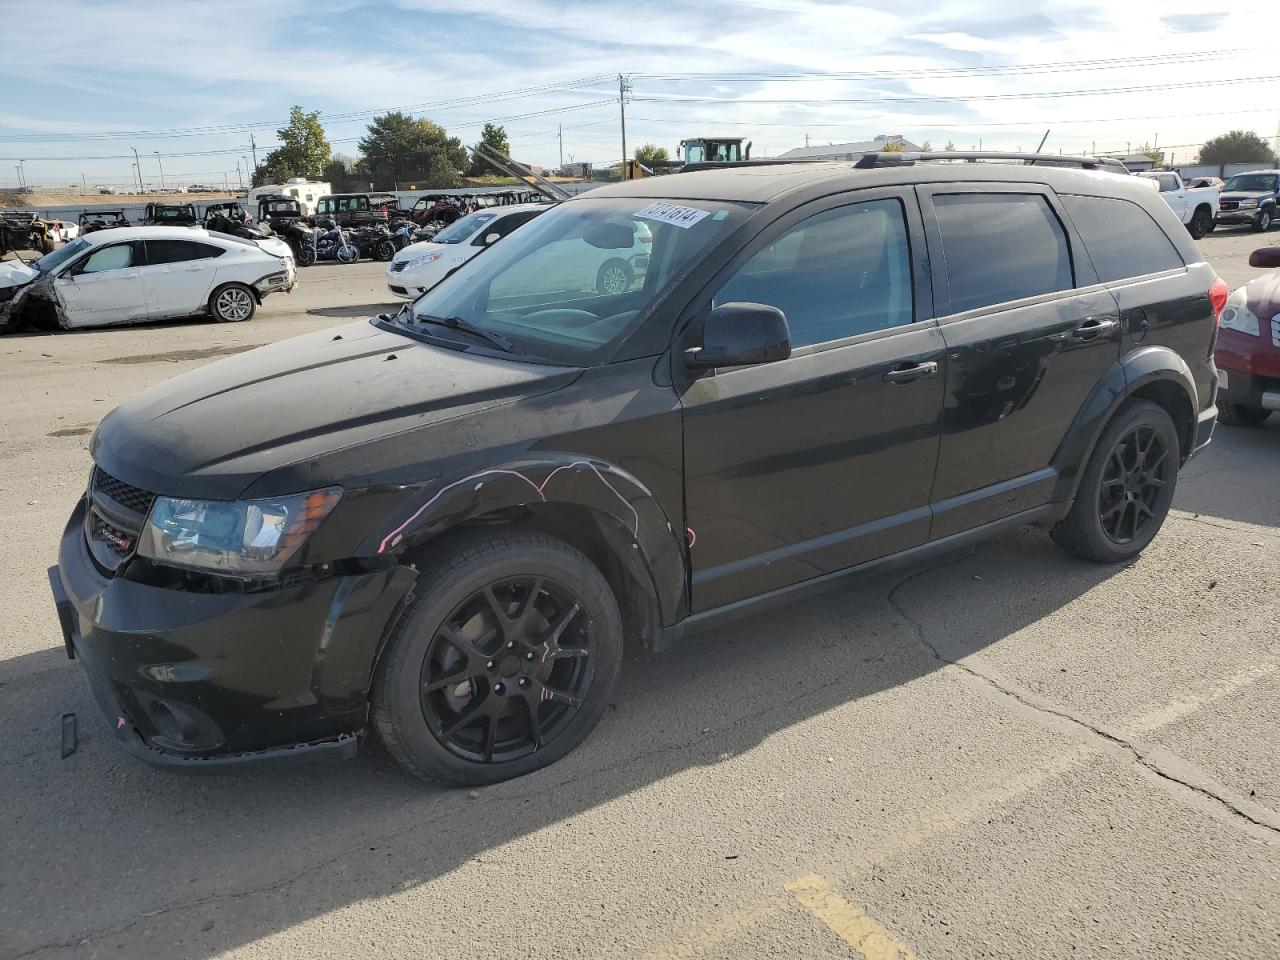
x,y
420,266
67,231
136,274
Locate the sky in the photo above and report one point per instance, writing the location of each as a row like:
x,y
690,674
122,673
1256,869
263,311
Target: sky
x,y
186,84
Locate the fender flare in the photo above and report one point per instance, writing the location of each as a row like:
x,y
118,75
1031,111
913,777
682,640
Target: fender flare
x,y
1138,368
604,488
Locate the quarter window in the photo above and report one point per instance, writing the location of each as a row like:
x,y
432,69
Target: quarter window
x,y
837,274
1001,247
1122,239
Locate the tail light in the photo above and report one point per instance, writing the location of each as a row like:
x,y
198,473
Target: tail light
x,y
1218,294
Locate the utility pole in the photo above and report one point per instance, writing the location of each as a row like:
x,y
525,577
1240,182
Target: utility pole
x,y
560,136
137,165
238,174
806,140
18,167
622,115
226,182
84,184
161,166
253,145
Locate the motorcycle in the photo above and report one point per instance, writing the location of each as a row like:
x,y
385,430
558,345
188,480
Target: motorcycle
x,y
375,243
331,243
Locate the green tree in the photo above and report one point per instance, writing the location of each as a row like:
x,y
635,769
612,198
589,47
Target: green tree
x,y
341,173
950,147
304,151
1237,146
926,147
1155,156
650,152
398,149
494,138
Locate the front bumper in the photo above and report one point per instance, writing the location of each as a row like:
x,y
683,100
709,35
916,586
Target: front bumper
x,y
1239,215
202,681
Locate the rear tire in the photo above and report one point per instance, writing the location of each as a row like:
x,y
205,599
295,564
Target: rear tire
x,y
519,632
1127,486
232,303
306,255
1201,223
614,277
386,250
1239,415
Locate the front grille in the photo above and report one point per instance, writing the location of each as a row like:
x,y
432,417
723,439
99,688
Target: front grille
x,y
1230,204
122,493
115,518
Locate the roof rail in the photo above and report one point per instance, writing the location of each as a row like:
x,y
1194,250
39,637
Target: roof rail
x,y
894,159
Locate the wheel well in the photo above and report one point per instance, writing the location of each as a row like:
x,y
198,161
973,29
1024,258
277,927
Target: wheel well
x,y
604,541
1177,404
1204,207
257,297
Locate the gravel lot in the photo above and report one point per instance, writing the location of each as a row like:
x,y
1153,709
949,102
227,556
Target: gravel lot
x,y
1008,754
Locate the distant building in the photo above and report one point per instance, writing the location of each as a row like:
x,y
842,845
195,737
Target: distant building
x,y
849,151
1137,162
579,169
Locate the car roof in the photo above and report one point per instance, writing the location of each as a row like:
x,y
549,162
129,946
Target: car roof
x,y
761,184
116,234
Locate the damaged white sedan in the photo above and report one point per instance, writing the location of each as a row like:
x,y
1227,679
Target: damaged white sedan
x,y
138,274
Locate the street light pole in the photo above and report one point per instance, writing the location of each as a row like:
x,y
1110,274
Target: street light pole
x,y
137,166
161,166
239,175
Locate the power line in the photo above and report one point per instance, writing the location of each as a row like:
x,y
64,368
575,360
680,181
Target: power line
x,y
164,133
1048,94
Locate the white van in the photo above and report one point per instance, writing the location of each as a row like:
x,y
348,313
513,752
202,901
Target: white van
x,y
306,192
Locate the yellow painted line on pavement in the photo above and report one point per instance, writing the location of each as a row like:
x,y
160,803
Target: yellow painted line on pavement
x,y
1171,713
864,933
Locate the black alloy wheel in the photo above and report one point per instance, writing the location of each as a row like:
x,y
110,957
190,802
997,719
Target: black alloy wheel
x,y
502,663
1136,473
1126,487
507,669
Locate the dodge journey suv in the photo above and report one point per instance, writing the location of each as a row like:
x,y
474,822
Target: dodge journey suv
x,y
440,527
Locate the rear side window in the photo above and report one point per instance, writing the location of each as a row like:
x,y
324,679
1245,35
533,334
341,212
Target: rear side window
x,y
1121,237
179,251
1001,247
837,274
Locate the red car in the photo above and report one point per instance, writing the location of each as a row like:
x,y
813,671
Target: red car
x,y
1248,351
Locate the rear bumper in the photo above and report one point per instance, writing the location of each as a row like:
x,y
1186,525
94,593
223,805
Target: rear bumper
x,y
206,681
1250,390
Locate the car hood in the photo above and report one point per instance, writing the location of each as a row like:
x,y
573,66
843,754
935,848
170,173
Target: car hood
x,y
15,273
1244,194
420,249
212,432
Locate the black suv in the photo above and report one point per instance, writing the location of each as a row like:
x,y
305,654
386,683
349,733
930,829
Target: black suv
x,y
442,525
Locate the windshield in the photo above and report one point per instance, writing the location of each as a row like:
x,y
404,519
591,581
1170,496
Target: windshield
x,y
52,261
1251,182
569,285
459,230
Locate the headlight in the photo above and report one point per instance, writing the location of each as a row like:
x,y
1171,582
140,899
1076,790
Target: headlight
x,y
1236,315
429,258
233,537
1248,203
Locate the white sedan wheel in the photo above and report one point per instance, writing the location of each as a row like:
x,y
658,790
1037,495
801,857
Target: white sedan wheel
x,y
232,304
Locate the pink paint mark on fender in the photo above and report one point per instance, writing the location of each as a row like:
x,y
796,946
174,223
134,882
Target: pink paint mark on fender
x,y
119,722
393,538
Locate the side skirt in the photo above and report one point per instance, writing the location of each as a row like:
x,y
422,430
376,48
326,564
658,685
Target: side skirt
x,y
1043,515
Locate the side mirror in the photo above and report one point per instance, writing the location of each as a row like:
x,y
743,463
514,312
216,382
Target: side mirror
x,y
1266,257
491,238
738,334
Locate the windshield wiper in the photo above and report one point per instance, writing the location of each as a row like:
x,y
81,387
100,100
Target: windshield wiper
x,y
466,326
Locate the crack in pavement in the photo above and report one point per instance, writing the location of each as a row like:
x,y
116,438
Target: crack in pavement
x,y
1162,763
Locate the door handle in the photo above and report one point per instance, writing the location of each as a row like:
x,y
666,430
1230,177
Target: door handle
x,y
910,372
1094,327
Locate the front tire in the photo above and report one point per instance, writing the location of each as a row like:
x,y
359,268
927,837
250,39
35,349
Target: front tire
x,y
502,664
1127,487
306,255
232,303
1239,415
386,250
1263,223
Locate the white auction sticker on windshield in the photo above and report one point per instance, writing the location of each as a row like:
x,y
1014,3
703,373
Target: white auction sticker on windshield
x,y
673,213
